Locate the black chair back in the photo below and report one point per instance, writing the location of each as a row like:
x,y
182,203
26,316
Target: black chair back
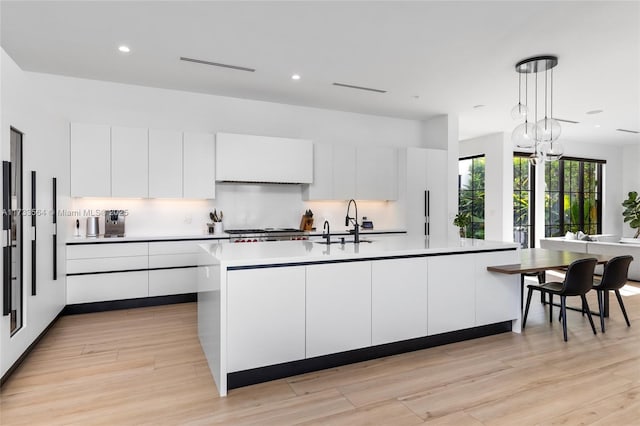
x,y
615,273
579,278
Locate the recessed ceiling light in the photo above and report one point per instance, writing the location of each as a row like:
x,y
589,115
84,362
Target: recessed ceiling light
x,y
416,96
597,126
295,77
595,111
124,49
479,106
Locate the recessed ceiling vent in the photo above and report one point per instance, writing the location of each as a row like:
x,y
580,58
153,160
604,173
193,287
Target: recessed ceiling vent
x,y
628,131
217,64
351,86
568,121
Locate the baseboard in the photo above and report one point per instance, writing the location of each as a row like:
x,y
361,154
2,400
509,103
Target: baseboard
x,y
272,372
27,351
113,305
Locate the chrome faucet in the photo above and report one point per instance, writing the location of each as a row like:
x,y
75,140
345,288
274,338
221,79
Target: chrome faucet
x,y
356,226
326,235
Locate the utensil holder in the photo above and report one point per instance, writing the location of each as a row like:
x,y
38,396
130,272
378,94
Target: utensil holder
x,y
218,228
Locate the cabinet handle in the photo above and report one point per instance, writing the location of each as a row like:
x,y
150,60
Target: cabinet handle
x,y
6,247
34,288
55,228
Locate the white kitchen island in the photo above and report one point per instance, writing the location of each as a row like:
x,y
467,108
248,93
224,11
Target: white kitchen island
x,y
275,309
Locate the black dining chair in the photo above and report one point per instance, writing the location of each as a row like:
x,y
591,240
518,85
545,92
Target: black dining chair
x,y
577,282
614,276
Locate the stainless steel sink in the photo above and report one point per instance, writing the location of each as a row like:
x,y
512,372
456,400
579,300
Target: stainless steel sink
x,y
338,241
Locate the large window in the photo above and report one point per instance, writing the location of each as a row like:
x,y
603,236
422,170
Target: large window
x,y
471,193
523,201
573,198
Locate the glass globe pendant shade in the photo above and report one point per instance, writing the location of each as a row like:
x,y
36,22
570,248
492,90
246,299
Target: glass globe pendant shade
x,y
548,130
519,112
523,136
552,150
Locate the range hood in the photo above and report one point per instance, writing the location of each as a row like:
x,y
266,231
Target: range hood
x,y
263,159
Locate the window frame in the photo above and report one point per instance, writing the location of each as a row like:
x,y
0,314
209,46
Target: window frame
x,y
470,227
580,193
532,198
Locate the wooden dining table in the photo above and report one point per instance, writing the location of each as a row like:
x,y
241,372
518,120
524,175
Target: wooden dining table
x,y
538,260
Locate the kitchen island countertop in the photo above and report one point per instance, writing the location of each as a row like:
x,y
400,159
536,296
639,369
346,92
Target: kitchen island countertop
x,y
268,253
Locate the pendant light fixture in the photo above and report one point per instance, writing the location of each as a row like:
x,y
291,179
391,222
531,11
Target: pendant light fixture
x,y
540,135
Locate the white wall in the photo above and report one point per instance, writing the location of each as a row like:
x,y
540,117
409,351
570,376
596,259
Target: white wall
x,y
498,152
45,144
80,100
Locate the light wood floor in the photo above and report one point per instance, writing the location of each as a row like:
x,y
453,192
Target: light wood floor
x,y
145,366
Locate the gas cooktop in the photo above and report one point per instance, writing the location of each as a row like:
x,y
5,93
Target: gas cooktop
x,y
260,231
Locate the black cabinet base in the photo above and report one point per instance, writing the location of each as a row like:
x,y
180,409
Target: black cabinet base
x,y
272,372
112,305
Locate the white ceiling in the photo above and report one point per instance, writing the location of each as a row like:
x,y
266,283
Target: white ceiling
x,y
453,55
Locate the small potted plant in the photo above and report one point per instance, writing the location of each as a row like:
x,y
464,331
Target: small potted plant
x,y
631,212
216,226
462,220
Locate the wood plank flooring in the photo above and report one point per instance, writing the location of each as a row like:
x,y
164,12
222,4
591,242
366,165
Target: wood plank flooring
x,y
145,366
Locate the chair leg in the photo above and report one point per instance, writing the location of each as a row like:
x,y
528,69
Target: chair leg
x,y
542,278
526,310
563,307
601,308
550,306
583,308
624,311
586,304
521,291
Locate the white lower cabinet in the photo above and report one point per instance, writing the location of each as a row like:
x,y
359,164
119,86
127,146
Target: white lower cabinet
x,y
103,287
173,281
338,316
497,295
398,299
265,317
114,271
451,293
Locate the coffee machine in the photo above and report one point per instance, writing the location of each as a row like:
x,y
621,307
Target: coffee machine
x,y
114,223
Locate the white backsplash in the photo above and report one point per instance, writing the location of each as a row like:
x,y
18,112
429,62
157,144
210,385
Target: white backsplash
x,y
244,206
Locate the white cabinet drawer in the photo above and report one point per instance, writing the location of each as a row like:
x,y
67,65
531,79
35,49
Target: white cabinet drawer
x,y
338,301
265,317
101,287
173,260
89,251
175,247
398,299
107,264
173,281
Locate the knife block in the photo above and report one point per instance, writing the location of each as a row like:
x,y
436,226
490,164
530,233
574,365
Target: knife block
x,y
306,223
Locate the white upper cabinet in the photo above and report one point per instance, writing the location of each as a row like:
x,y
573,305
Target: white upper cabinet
x,y
199,165
344,172
377,173
322,186
165,164
90,160
129,162
249,158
